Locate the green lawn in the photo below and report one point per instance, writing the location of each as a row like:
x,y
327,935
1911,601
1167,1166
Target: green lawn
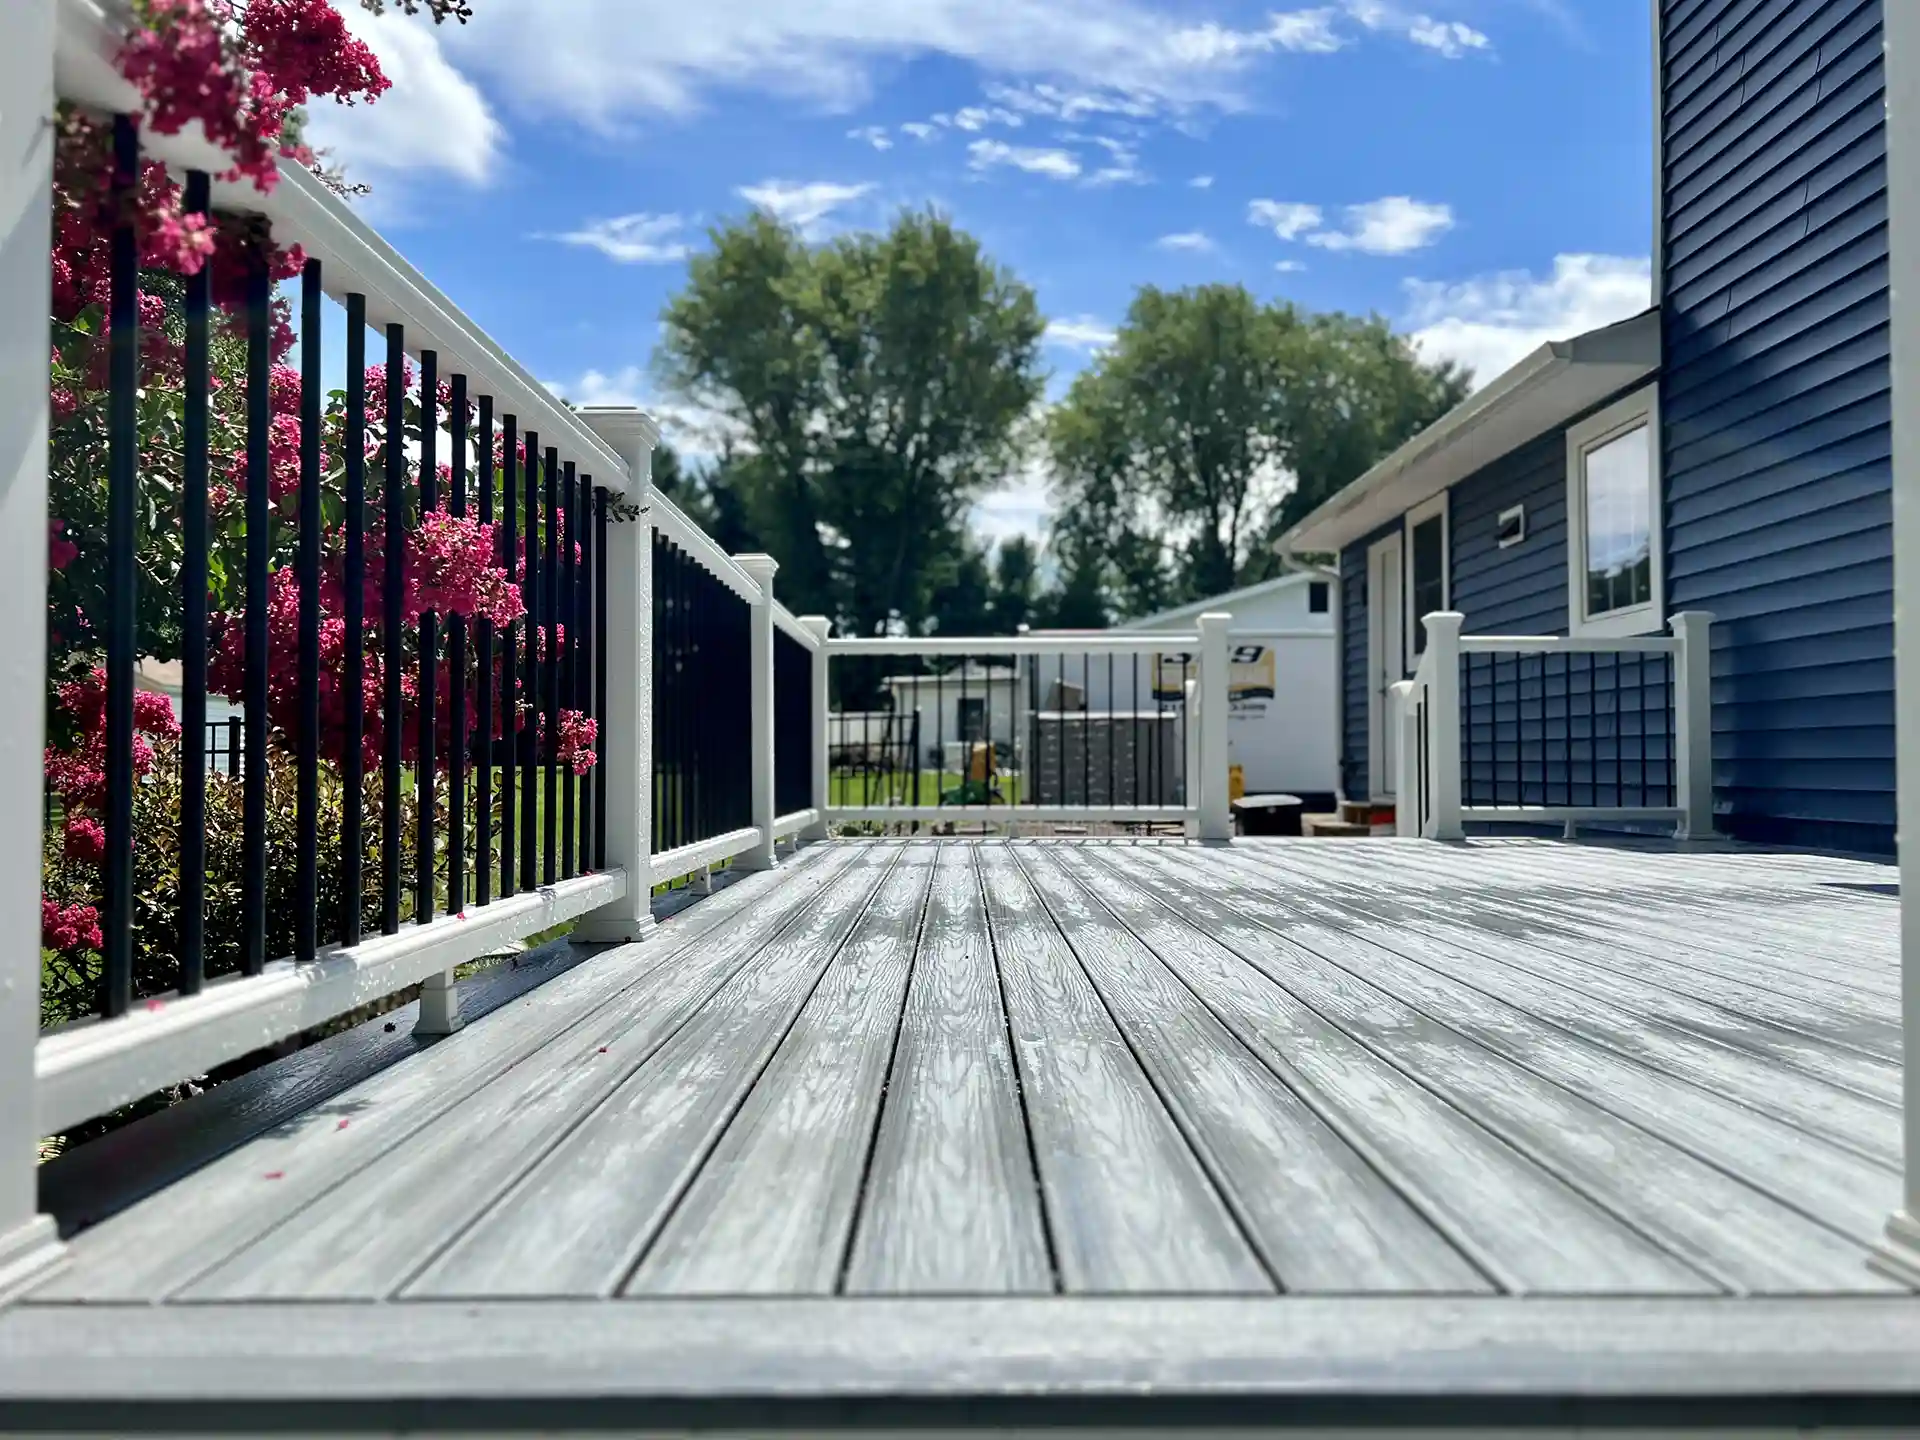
x,y
855,789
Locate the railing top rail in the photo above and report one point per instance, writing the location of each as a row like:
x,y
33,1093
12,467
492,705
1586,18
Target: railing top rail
x,y
789,623
1106,643
1571,644
354,258
673,522
1277,632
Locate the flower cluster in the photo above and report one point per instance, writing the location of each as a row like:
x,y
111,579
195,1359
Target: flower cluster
x,y
69,927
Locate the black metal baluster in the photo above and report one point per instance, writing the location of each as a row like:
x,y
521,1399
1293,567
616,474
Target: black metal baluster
x,y
393,583
483,649
253,793
1086,734
458,739
197,369
568,579
354,616
1060,727
530,676
425,761
509,653
583,660
1640,694
550,800
1619,742
966,741
600,681
306,904
123,617
1154,731
939,731
1133,729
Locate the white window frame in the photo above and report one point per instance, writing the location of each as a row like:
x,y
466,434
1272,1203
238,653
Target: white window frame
x,y
1419,515
1640,408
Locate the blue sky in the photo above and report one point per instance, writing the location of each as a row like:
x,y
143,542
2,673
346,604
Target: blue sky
x,y
1478,171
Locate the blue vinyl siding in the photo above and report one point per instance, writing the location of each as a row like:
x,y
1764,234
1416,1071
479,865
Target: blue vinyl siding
x,y
1775,403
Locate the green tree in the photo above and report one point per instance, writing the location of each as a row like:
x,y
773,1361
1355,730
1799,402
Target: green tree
x,y
1174,452
1016,584
877,382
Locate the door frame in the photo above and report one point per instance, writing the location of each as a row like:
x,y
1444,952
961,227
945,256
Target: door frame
x,y
1386,556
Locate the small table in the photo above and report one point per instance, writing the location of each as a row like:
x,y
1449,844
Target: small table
x,y
1268,814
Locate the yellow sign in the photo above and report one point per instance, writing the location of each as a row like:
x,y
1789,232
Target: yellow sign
x,y
1251,677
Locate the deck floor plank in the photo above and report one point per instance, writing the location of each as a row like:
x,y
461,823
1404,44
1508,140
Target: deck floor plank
x,y
1870,1129
1525,1226
1836,1187
151,1250
1322,1217
1662,911
772,1207
577,1223
1550,1099
1419,883
1128,1205
1658,1006
376,1229
952,1204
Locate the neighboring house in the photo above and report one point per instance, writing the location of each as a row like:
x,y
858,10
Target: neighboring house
x,y
1727,451
1284,731
969,703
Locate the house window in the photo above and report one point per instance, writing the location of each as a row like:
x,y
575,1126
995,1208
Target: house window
x,y
1316,597
973,718
1613,506
1426,567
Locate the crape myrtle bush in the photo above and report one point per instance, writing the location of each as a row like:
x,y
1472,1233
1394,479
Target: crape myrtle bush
x,y
245,70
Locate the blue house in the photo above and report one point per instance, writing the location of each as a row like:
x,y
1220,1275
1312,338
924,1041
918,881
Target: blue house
x,y
1729,451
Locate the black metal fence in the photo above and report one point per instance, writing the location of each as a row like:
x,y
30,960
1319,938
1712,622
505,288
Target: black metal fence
x,y
702,703
1567,729
442,703
1087,730
792,724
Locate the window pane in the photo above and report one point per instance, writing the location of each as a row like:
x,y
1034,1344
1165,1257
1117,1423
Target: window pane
x,y
1429,578
1619,494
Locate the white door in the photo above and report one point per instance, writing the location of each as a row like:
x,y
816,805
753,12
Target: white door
x,y
1386,657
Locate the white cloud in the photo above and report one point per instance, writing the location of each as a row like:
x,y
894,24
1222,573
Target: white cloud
x,y
1489,322
1201,182
696,431
874,135
920,130
1083,332
1287,218
979,117
1289,267
1055,164
1309,31
1194,241
601,61
1392,225
1123,166
806,207
1449,38
434,118
639,239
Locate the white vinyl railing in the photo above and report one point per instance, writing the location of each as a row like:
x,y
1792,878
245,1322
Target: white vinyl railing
x,y
1489,745
1026,750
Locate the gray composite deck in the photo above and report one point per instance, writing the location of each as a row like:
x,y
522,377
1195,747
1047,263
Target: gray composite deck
x,y
1386,1117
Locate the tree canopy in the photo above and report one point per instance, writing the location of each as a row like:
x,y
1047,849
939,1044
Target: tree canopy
x,y
1212,423
876,386
870,390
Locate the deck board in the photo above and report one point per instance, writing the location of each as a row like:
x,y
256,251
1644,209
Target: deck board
x,y
581,1218
1561,1101
1322,1217
771,1209
1129,1206
952,1203
947,1068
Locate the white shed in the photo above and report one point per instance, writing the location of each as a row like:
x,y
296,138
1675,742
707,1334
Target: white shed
x,y
968,703
1284,731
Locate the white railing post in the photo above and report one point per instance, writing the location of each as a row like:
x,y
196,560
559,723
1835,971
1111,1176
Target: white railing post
x,y
626,747
1216,816
28,1243
1191,759
1403,734
1693,722
1899,1250
761,569
1443,723
820,787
